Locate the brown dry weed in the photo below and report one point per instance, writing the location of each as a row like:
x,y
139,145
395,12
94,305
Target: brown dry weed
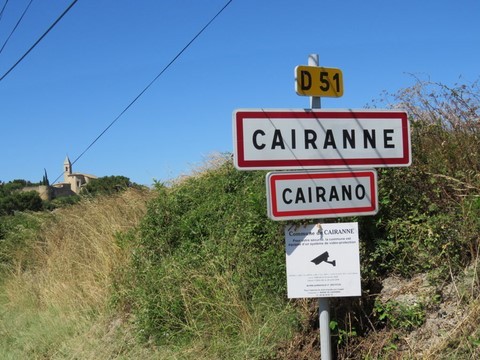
x,y
76,252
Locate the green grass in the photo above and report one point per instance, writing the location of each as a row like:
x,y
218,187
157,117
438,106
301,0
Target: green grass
x,y
30,332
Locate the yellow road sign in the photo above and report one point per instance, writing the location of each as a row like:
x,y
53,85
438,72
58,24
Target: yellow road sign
x,y
318,81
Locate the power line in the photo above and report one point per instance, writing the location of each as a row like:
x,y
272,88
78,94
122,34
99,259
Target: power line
x,y
3,9
16,25
40,39
151,83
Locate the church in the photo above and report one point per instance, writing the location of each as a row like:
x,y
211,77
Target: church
x,y
72,181
72,184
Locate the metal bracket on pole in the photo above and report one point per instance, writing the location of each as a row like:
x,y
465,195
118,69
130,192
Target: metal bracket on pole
x,y
323,303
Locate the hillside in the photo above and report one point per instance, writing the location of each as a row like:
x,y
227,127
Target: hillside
x,y
56,278
194,269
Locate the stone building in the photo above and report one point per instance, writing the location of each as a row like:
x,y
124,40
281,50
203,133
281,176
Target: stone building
x,y
72,182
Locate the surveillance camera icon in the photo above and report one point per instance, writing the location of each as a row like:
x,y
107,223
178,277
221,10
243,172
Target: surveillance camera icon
x,y
323,258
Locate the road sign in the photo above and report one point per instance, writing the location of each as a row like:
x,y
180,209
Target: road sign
x,y
323,260
321,194
320,139
318,81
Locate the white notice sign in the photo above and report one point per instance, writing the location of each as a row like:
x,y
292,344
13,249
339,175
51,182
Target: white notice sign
x,y
323,260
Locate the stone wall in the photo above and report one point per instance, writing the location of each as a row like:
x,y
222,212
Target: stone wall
x,y
44,191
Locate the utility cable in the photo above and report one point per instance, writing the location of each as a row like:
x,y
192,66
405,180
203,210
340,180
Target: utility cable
x,y
40,39
16,25
3,9
151,83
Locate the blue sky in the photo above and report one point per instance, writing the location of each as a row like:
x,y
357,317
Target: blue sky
x,y
99,57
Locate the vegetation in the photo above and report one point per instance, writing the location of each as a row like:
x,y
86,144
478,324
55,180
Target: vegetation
x,y
56,284
107,185
208,268
195,270
12,199
20,201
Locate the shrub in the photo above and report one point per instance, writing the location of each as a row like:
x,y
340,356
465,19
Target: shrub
x,y
17,235
208,263
422,207
20,201
107,185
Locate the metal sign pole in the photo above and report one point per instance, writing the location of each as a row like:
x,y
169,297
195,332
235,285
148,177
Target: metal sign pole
x,y
315,102
323,303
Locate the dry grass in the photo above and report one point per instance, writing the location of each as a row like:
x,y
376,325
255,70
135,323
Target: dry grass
x,y
77,252
56,299
210,163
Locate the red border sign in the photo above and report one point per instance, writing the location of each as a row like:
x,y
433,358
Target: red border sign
x,y
321,194
320,139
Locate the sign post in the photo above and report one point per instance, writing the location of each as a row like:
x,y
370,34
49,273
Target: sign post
x,y
345,145
323,302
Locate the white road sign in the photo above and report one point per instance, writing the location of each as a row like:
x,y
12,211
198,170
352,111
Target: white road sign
x,y
321,194
320,139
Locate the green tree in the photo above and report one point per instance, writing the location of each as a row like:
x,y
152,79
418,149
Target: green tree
x,y
107,185
45,180
11,186
20,201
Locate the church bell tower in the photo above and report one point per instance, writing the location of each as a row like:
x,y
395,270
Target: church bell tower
x,y
67,169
